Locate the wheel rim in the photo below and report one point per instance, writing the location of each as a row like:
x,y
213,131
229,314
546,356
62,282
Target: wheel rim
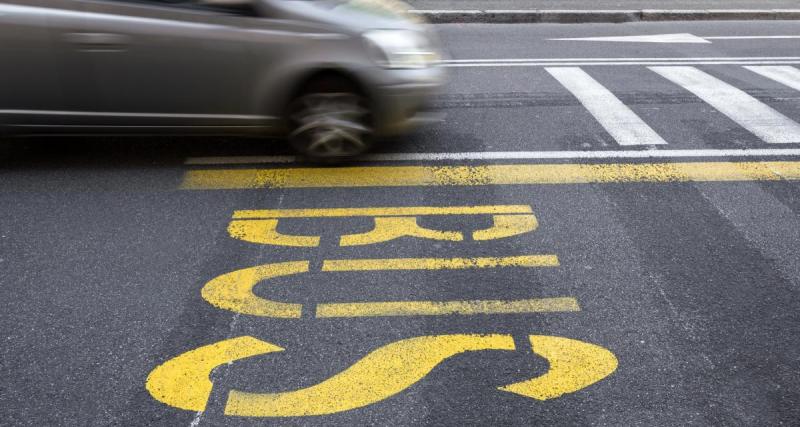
x,y
330,125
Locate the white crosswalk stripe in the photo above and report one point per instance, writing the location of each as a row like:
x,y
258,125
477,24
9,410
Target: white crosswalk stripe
x,y
615,117
786,75
750,113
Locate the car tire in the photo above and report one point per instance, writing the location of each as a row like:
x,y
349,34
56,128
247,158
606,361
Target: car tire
x,y
330,120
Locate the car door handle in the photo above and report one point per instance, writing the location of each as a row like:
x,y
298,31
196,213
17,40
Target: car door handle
x,y
98,41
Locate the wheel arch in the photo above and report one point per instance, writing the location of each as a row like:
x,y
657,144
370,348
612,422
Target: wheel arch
x,y
307,79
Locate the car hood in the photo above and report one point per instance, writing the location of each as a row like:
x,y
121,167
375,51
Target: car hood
x,y
354,15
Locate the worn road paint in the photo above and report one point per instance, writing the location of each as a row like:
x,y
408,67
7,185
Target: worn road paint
x,y
574,365
786,75
515,155
390,228
405,176
672,38
748,112
680,59
265,232
382,211
591,62
506,226
183,382
377,376
391,369
614,116
260,226
650,38
432,308
234,291
439,263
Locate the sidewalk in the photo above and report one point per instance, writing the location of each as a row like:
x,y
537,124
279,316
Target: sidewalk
x,y
572,11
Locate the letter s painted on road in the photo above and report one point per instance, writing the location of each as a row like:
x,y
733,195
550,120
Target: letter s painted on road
x,y
183,382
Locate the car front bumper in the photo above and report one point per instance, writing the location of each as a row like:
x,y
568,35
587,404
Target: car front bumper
x,y
403,106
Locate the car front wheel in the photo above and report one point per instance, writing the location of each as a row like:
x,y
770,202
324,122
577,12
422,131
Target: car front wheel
x,y
330,120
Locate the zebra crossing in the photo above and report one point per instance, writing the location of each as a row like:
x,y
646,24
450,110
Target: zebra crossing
x,y
627,128
750,113
620,121
783,74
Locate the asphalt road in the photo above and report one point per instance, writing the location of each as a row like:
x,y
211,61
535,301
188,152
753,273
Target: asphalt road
x,y
615,289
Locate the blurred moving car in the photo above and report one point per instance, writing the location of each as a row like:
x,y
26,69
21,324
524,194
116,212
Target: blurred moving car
x,y
332,75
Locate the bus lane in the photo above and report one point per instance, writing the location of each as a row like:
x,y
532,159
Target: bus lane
x,y
404,312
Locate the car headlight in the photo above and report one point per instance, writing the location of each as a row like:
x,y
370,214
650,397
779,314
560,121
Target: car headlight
x,y
401,48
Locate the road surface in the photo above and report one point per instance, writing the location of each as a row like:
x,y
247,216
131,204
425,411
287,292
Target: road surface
x,y
600,232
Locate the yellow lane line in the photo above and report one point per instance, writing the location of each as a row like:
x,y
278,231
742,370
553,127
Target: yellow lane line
x,y
401,176
432,308
439,263
382,211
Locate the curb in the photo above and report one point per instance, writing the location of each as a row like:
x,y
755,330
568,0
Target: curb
x,y
608,16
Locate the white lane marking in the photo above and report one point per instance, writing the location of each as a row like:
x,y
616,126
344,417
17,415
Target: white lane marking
x,y
652,38
750,37
515,155
750,113
585,63
670,59
453,11
789,76
671,38
615,117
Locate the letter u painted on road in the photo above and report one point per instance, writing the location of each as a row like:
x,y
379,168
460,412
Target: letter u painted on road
x,y
234,291
183,382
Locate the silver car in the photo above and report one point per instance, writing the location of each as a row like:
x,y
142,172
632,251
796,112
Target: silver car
x,y
332,75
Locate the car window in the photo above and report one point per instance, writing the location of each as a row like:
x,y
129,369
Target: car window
x,y
233,8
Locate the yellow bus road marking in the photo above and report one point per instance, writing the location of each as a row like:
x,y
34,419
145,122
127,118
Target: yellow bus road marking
x,y
439,263
405,176
377,376
574,365
234,291
183,381
392,228
387,371
432,308
382,211
506,226
261,226
265,232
